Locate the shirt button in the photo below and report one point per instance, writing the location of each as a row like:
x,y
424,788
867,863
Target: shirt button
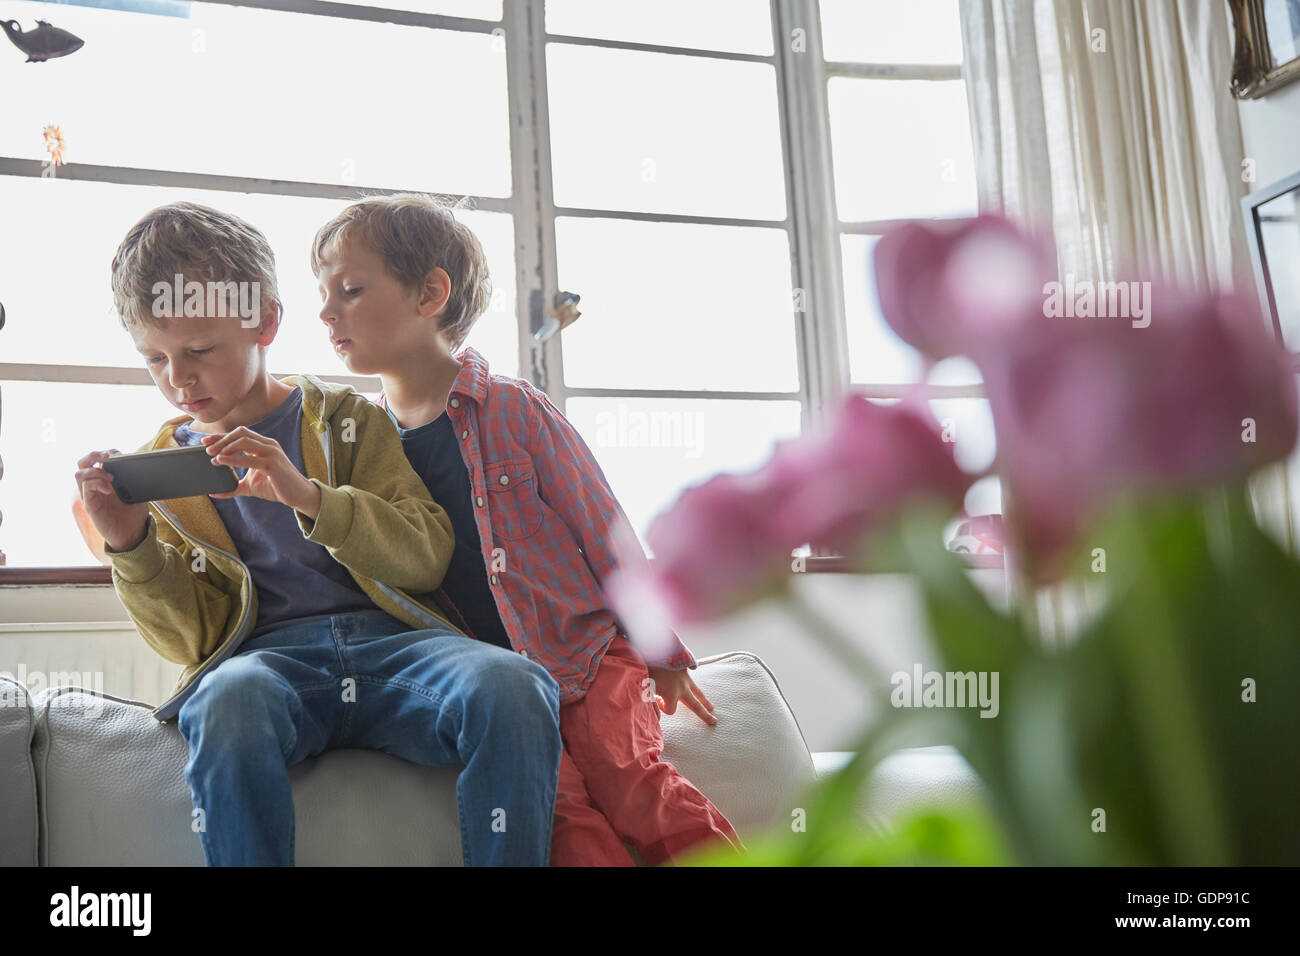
x,y
464,434
494,579
479,501
505,479
454,403
523,653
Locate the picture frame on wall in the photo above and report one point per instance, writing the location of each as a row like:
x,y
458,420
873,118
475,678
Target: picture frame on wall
x,y
1267,46
1273,233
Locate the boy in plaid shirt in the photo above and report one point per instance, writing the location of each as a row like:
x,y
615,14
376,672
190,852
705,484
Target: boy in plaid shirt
x,y
402,283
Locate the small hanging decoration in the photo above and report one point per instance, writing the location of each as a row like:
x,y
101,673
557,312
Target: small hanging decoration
x,y
44,43
55,145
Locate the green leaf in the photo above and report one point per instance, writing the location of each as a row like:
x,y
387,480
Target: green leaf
x,y
972,636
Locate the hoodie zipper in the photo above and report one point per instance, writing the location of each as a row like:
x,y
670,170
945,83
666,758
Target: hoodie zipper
x,y
240,632
322,428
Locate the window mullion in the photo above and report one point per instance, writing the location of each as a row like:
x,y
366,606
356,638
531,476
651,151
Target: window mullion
x,y
532,195
814,239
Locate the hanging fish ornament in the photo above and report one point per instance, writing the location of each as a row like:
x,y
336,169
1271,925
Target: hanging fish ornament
x,y
44,43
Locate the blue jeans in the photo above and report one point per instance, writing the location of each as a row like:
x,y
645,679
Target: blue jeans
x,y
432,697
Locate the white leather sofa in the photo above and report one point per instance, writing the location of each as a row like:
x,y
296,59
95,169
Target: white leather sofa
x,y
88,779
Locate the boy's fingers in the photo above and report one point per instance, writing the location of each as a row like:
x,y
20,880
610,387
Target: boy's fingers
x,y
233,440
217,443
232,445
244,458
692,690
91,475
694,704
87,460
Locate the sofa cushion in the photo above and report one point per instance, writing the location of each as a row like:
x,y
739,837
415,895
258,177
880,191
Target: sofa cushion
x,y
18,815
113,790
754,765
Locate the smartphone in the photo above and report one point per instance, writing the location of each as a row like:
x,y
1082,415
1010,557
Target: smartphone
x,y
169,473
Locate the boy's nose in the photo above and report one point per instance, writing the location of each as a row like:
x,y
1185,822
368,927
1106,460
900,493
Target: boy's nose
x,y
179,376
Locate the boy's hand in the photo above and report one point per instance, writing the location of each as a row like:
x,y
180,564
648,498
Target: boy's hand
x,y
673,685
271,475
122,526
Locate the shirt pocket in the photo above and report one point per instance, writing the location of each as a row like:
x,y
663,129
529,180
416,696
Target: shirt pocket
x,y
513,502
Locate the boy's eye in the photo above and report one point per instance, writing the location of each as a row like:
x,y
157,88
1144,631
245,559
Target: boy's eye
x,y
202,351
352,291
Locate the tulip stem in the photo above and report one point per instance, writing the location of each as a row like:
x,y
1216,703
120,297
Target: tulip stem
x,y
834,641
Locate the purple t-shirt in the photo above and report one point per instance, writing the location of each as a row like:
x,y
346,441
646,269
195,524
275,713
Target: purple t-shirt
x,y
297,580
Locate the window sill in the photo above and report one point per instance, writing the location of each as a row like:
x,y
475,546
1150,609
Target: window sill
x,y
27,577
101,575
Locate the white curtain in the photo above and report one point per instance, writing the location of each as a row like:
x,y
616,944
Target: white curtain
x,y
1112,122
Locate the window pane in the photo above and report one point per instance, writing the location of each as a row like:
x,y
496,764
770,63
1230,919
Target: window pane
x,y
735,26
902,149
968,422
47,427
474,9
246,92
984,497
672,305
877,356
886,31
650,132
957,370
80,327
652,449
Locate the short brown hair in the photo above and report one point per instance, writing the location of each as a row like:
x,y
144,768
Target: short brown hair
x,y
414,233
198,242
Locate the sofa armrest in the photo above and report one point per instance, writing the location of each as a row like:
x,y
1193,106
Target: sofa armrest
x,y
19,828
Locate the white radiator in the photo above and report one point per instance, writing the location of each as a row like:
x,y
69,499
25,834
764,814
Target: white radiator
x,y
106,656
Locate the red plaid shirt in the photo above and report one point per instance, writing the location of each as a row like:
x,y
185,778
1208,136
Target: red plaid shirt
x,y
541,498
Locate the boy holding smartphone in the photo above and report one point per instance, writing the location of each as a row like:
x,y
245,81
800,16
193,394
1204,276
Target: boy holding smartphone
x,y
304,604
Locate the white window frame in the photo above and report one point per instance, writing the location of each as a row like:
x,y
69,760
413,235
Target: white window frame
x,y
811,223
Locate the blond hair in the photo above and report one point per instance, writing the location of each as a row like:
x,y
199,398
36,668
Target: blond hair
x,y
414,233
197,242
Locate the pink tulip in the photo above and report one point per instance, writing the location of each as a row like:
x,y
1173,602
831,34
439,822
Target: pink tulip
x,y
948,286
862,468
1089,408
730,539
713,551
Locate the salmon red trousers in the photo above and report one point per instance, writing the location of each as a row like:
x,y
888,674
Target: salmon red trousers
x,y
613,784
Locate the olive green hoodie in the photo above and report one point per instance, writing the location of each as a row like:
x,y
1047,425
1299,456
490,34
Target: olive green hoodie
x,y
194,601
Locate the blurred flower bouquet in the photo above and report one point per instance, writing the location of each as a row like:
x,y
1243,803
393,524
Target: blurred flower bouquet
x,y
1165,732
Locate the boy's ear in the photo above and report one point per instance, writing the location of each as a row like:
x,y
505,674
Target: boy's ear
x,y
270,323
436,292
